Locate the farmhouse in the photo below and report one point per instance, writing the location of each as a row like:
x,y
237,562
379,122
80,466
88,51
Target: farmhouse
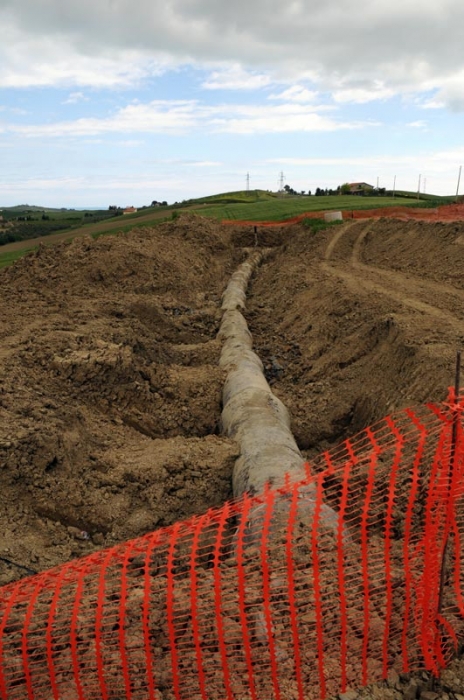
x,y
360,188
129,210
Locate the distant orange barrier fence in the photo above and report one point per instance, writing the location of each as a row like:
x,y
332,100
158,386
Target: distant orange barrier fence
x,y
265,598
447,212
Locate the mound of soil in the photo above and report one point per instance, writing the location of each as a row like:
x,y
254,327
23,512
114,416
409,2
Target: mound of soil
x,y
110,391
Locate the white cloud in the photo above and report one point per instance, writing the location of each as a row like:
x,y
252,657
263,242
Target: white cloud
x,y
452,92
12,110
186,116
171,117
419,124
235,78
361,95
75,97
413,46
130,143
204,164
433,104
295,93
30,59
245,119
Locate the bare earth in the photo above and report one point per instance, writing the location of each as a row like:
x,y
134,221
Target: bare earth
x,y
110,391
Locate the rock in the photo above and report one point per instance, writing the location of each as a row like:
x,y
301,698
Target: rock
x,y
411,691
393,678
349,695
78,534
429,695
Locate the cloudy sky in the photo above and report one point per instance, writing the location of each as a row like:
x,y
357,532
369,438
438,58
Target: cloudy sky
x,y
125,101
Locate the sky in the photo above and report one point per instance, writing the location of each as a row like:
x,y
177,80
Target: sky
x,y
106,102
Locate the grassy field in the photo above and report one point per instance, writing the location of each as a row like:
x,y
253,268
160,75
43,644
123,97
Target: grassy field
x,y
279,209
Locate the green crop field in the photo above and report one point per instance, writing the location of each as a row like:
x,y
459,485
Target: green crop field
x,y
279,209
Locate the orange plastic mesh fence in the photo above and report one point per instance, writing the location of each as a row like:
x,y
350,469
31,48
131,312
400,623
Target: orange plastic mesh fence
x,y
303,592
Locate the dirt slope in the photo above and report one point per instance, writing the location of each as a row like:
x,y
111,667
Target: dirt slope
x,y
359,321
110,391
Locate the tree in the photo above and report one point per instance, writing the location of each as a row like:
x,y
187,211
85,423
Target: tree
x,y
345,188
290,190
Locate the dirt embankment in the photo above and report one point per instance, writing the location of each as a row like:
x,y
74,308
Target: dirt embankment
x,y
110,391
358,321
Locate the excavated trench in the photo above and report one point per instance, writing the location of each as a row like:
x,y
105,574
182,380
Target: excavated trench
x,y
110,393
110,390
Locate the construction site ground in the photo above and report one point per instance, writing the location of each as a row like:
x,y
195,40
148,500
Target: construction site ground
x,y
110,389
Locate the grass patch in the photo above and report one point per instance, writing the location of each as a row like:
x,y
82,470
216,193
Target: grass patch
x,y
9,258
315,225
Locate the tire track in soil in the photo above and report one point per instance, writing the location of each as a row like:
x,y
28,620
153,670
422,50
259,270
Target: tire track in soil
x,y
405,290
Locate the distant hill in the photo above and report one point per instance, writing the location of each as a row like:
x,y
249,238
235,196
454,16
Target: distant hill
x,y
19,208
239,197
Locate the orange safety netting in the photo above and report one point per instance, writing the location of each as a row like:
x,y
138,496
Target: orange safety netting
x,y
299,593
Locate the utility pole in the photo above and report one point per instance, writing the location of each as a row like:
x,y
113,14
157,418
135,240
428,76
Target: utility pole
x,y
281,181
459,180
248,182
394,185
